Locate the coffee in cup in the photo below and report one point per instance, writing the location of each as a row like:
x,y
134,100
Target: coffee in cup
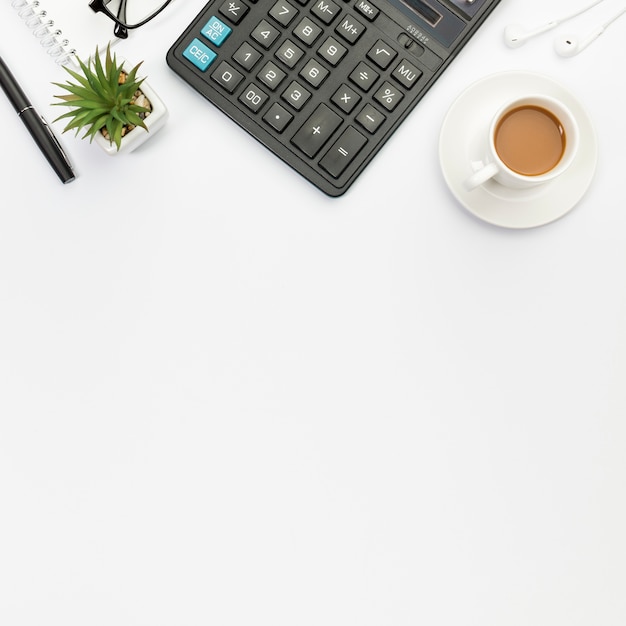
x,y
531,140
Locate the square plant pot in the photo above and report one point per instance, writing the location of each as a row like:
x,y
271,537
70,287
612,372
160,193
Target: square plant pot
x,y
137,136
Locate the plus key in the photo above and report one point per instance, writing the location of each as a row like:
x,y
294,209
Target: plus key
x,y
316,131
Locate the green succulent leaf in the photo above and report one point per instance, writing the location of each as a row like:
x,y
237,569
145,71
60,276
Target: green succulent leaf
x,y
102,96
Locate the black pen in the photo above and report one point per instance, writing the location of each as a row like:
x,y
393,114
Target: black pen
x,y
37,126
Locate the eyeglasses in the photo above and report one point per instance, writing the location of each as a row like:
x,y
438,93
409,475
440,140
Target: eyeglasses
x,y
128,14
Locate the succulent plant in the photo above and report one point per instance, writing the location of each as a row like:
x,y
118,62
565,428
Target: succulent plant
x,y
103,98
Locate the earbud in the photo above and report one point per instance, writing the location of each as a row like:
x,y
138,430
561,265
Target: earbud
x,y
570,45
516,35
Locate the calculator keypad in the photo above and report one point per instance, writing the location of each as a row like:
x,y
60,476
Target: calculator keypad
x,y
323,83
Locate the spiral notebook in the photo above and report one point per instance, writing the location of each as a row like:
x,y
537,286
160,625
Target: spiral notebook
x,y
65,29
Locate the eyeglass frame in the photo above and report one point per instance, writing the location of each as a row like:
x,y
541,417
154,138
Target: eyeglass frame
x,y
121,26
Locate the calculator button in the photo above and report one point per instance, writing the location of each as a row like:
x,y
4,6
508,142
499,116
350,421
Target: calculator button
x,y
345,98
234,10
364,76
265,34
199,54
406,74
246,56
277,117
326,10
316,131
382,54
314,73
216,31
307,31
296,95
289,53
227,76
343,151
332,51
369,11
370,118
253,98
283,12
350,29
271,75
388,96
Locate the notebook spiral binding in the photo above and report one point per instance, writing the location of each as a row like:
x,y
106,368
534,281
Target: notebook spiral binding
x,y
50,38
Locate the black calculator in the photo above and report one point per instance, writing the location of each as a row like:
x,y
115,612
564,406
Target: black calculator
x,y
322,83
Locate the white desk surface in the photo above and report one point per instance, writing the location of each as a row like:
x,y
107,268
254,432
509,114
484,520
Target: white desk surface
x,y
228,399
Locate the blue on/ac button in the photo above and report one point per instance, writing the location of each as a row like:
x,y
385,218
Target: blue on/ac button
x,y
199,54
216,31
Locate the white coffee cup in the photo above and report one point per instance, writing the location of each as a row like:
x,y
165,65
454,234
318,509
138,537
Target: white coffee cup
x,y
532,140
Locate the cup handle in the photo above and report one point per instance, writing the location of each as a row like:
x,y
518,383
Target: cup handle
x,y
481,176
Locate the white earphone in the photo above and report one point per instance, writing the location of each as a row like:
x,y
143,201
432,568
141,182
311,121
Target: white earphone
x,y
516,35
570,45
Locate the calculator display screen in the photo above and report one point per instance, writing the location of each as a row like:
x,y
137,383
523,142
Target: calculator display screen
x,y
469,7
424,10
432,18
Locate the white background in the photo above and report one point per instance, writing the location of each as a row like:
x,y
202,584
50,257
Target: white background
x,y
227,399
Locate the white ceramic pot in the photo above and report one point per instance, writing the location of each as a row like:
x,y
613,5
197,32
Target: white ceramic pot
x,y
138,135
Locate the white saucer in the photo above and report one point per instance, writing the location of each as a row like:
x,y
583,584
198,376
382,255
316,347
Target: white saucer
x,y
462,141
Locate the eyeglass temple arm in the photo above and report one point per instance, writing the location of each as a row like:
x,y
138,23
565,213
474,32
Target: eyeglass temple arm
x,y
121,31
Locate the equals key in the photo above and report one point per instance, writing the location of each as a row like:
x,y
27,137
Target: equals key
x,y
343,151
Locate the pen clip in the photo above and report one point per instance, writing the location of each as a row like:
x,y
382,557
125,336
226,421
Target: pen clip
x,y
53,137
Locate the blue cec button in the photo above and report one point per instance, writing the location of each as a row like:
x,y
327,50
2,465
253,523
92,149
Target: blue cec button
x,y
216,31
199,54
